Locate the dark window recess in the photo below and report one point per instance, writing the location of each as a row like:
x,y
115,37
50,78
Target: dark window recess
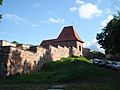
x,y
67,34
71,47
79,48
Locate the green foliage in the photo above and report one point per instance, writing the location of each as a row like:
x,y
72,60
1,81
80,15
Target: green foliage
x,y
1,2
109,38
98,54
15,42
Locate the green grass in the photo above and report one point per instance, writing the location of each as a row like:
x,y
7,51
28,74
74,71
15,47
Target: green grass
x,y
81,76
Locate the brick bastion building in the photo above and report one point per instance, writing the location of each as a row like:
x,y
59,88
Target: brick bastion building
x,y
22,59
69,38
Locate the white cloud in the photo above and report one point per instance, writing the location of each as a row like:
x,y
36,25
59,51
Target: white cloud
x,y
108,11
73,9
36,5
104,22
33,25
88,43
18,20
86,10
80,2
14,18
93,45
57,20
89,10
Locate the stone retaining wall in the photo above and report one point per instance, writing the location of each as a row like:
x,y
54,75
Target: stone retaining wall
x,y
17,61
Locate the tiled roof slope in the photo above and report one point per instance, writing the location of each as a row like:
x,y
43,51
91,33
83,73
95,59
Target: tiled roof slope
x,y
68,33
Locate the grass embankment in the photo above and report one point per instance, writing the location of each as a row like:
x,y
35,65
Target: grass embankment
x,y
81,76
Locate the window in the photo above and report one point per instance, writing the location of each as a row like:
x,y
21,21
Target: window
x,y
67,34
79,48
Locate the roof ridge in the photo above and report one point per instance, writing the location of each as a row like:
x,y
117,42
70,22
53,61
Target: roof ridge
x,y
76,35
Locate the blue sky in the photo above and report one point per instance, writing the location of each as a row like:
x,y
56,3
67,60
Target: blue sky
x,y
31,21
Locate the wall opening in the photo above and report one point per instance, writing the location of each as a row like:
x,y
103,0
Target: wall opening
x,y
79,48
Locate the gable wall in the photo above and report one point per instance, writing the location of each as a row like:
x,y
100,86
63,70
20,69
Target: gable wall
x,y
66,43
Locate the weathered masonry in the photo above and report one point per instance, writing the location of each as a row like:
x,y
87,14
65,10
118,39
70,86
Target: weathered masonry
x,y
21,59
69,38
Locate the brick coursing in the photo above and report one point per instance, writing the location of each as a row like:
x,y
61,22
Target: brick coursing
x,y
18,61
22,59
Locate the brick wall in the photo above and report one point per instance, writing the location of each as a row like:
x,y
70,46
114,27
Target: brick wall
x,y
66,43
17,61
59,52
6,43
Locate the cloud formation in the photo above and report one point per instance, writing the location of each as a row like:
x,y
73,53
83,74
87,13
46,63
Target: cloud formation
x,y
93,45
57,20
86,10
14,18
80,2
36,5
73,9
104,22
18,20
89,10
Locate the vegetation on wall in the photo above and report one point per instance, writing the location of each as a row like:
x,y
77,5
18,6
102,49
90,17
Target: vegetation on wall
x,y
15,42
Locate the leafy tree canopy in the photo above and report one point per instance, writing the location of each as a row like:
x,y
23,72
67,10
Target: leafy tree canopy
x,y
1,2
109,38
15,42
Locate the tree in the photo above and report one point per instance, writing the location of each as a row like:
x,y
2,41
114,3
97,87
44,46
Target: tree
x,y
1,1
109,38
15,42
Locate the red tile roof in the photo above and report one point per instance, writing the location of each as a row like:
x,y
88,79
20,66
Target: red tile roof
x,y
68,33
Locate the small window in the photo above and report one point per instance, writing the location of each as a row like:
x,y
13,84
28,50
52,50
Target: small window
x,y
67,34
79,48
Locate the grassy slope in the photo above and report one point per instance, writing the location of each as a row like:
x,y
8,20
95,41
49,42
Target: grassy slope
x,y
83,76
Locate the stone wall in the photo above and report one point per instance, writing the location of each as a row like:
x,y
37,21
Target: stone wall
x,y
14,60
80,48
6,43
18,61
59,52
4,54
66,43
86,52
